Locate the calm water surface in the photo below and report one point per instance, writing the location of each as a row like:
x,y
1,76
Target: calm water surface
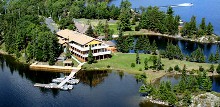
x,y
210,9
96,88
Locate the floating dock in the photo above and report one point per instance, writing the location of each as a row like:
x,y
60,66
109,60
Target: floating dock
x,y
62,85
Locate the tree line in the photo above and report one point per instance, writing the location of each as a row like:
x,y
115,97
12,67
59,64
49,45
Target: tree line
x,y
143,44
24,33
191,30
181,93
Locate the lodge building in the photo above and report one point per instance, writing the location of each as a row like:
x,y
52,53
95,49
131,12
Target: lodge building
x,y
79,45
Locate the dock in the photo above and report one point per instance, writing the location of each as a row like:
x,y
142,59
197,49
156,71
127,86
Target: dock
x,y
63,82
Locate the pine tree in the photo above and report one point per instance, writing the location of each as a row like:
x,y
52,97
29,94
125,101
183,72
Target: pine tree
x,y
107,31
125,15
154,47
137,58
91,58
146,44
68,54
218,69
210,29
216,59
193,28
187,98
212,68
89,31
202,28
159,63
146,64
211,58
203,25
206,84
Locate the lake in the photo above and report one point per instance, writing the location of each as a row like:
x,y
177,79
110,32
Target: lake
x,y
209,9
96,88
186,47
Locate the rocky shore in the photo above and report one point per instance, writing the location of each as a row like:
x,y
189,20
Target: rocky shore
x,y
150,99
205,100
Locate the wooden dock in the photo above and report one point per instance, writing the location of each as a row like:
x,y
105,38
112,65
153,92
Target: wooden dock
x,y
54,85
46,85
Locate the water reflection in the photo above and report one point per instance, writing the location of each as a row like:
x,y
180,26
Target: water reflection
x,y
186,47
92,78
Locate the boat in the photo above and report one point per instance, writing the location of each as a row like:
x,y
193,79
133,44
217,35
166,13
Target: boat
x,y
185,4
65,87
70,87
58,80
73,81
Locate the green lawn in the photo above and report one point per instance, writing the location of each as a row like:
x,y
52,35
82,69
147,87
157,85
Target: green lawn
x,y
122,61
112,25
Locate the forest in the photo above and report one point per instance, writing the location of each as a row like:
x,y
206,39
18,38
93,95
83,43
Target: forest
x,y
23,31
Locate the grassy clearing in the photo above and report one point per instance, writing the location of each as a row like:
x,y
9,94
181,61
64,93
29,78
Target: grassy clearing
x,y
112,25
122,61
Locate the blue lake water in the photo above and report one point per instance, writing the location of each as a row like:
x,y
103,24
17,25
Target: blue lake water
x,y
210,9
96,88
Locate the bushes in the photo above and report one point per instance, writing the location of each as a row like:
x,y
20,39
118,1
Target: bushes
x,y
140,69
108,66
170,69
132,65
201,68
177,68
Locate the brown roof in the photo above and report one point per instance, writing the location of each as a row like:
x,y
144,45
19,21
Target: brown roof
x,y
75,36
110,43
81,27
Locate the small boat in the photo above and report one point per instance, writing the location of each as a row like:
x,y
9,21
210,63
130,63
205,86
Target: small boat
x,y
58,80
70,87
73,81
65,87
185,4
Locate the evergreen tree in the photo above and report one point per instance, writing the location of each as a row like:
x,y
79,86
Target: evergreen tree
x,y
154,60
218,69
159,63
216,59
212,68
146,64
187,98
198,55
176,68
124,44
91,58
193,28
68,54
211,58
89,31
125,16
154,48
206,84
210,29
202,28
137,58
146,44
203,25
107,31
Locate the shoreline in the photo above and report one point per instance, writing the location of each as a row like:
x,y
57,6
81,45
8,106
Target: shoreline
x,y
175,37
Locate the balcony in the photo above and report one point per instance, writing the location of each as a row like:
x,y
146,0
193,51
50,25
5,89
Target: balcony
x,y
94,54
87,48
